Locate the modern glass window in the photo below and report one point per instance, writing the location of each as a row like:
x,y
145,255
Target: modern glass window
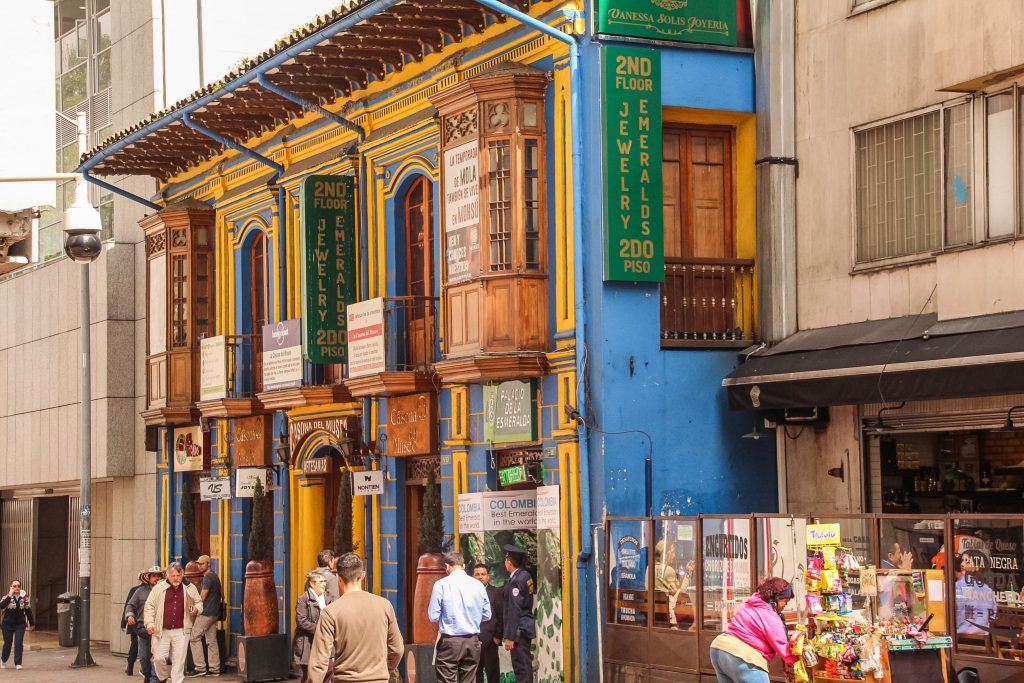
x,y
726,566
675,574
999,162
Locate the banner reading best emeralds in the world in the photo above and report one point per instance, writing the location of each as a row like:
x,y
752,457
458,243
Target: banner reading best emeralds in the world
x,y
689,21
328,266
634,225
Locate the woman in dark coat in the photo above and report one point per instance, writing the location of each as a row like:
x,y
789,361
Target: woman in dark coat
x,y
307,613
17,614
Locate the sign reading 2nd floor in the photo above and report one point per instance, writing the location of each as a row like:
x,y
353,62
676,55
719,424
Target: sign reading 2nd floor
x,y
329,264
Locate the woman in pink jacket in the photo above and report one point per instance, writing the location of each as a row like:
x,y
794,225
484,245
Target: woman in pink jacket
x,y
754,636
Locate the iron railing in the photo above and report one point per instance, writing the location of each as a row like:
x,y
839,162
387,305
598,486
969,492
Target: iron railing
x,y
410,328
707,302
244,363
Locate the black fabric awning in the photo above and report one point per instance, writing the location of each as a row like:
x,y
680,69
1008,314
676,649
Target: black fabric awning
x,y
899,359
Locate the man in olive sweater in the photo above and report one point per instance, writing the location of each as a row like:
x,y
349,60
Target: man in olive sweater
x,y
361,628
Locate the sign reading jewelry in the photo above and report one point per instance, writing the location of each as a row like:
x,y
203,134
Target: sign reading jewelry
x,y
462,211
329,265
282,355
687,21
634,227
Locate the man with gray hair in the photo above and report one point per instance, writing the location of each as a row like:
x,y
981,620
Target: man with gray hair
x,y
168,614
458,603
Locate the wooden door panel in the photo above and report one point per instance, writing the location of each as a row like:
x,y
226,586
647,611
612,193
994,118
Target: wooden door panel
x,y
500,315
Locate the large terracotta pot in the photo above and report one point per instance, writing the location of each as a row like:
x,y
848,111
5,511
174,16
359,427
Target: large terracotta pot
x,y
259,606
194,574
429,570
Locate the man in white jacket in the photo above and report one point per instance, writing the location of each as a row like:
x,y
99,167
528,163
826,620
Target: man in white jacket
x,y
168,615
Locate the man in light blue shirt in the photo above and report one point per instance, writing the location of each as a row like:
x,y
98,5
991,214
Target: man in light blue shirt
x,y
458,603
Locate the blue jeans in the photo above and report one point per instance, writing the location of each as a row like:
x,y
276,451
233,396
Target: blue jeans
x,y
146,659
731,669
15,635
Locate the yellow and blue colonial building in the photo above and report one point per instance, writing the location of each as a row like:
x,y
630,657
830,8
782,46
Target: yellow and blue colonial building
x,y
503,247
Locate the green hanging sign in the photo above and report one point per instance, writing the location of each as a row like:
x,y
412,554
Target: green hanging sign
x,y
634,224
328,206
507,476
688,21
509,412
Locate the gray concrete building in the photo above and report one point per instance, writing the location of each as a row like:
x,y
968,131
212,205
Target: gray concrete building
x,y
118,61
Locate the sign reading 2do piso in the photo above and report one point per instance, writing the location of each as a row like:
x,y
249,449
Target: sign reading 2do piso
x,y
634,228
329,264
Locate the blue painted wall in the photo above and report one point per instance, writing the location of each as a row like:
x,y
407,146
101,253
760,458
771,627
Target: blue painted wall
x,y
699,464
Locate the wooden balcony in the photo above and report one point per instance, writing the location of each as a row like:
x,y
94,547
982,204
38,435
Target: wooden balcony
x,y
172,378
707,303
410,333
321,385
243,379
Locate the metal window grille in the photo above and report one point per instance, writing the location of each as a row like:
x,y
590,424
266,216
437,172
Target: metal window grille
x,y
899,188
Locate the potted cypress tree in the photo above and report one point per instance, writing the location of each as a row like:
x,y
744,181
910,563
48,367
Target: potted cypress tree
x,y
259,613
430,567
344,533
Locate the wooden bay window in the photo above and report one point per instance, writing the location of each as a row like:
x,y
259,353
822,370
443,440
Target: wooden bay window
x,y
179,292
495,218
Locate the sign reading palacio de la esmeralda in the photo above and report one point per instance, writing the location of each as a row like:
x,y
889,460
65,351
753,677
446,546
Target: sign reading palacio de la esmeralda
x,y
689,21
329,265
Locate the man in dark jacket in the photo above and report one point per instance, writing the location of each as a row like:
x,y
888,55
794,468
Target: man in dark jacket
x,y
520,621
490,630
133,611
133,649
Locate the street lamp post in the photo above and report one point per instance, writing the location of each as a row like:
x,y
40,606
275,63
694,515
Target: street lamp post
x,y
82,244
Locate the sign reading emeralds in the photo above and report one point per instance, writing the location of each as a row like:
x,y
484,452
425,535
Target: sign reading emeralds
x,y
328,266
634,226
688,21
512,475
508,412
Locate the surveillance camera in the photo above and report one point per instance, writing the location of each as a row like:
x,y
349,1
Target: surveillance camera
x,y
83,247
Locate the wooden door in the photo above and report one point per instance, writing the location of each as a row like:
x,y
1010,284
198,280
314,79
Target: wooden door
x,y
414,491
332,485
699,229
419,314
258,303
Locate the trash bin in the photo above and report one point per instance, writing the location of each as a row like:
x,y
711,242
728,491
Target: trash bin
x,y
69,609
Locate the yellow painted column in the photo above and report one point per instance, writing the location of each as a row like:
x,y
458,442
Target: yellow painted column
x,y
568,463
460,484
359,520
311,512
295,547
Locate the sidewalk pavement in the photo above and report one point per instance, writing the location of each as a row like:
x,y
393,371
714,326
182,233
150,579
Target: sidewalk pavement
x,y
46,662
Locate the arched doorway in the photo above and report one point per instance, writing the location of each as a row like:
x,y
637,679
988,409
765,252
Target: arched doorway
x,y
419,268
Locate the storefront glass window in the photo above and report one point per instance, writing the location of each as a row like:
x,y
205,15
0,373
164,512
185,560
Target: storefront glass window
x,y
911,557
726,567
675,590
782,552
987,559
628,587
856,535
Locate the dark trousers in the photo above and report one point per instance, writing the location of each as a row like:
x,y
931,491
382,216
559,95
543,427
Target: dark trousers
x,y
146,659
133,650
15,635
488,663
456,659
522,660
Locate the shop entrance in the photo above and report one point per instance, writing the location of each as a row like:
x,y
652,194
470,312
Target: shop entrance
x,y
416,474
54,519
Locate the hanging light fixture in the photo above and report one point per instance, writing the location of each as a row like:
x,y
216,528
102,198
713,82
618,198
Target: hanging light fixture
x,y
755,434
1008,425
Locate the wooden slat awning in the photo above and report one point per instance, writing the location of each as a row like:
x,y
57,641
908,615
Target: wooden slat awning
x,y
333,68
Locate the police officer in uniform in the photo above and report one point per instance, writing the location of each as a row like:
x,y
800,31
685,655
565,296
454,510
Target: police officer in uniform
x,y
520,622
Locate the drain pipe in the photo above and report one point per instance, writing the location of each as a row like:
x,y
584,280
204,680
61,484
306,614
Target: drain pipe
x,y
261,78
120,191
575,83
